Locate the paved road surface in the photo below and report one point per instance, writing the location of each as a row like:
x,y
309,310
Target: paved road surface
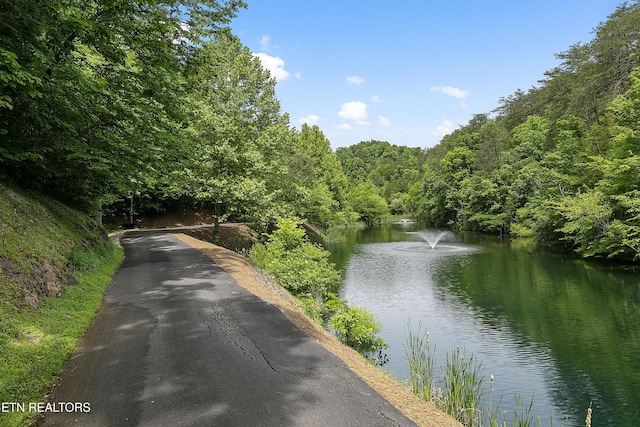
x,y
178,343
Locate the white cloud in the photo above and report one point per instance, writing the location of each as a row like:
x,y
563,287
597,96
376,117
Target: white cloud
x,y
376,99
451,91
445,128
344,126
274,64
311,119
355,112
355,80
265,43
384,121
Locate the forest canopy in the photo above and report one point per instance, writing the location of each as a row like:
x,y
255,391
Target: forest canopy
x,y
158,105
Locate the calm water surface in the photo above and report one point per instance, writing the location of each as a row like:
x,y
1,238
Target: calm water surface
x,y
562,330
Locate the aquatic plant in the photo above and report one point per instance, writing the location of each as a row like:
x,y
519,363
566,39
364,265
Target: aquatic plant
x,y
462,392
463,384
419,354
587,420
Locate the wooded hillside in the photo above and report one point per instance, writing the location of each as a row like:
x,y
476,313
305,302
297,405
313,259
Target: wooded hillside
x,y
560,162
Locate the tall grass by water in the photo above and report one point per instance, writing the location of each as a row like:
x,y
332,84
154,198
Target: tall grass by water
x,y
462,391
419,355
463,387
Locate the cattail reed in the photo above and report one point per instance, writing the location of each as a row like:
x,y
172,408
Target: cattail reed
x,y
461,390
587,421
419,356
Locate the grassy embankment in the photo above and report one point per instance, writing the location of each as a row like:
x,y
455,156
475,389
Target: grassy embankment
x,y
55,266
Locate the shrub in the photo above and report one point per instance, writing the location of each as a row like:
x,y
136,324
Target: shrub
x,y
303,268
356,327
297,265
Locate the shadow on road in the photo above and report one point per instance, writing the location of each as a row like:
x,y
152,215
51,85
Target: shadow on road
x,y
178,342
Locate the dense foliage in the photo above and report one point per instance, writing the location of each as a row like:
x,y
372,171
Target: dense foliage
x,y
559,163
92,91
378,168
297,265
303,268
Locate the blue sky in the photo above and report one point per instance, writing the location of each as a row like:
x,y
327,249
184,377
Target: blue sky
x,y
408,71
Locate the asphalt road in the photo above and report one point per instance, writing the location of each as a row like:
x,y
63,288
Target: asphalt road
x,y
178,343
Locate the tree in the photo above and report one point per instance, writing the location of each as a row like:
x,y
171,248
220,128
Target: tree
x,y
587,218
530,138
392,169
365,200
621,173
457,164
232,105
494,139
315,171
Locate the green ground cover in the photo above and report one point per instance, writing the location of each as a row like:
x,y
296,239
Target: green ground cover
x,y
56,264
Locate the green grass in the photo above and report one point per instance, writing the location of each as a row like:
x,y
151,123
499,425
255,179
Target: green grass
x,y
33,227
46,248
34,345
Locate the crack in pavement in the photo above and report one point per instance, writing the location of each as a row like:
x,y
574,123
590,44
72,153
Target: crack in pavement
x,y
222,317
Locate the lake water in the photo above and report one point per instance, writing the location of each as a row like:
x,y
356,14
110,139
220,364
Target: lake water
x,y
552,328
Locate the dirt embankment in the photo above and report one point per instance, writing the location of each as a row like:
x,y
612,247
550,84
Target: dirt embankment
x,y
42,243
256,282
